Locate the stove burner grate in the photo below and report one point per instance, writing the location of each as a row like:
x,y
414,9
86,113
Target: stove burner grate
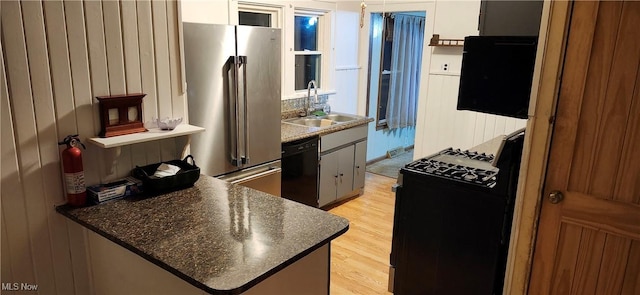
x,y
460,165
468,154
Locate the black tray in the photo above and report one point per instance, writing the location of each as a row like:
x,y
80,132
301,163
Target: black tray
x,y
186,177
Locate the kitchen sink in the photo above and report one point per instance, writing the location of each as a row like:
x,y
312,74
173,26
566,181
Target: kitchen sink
x,y
314,121
311,122
340,118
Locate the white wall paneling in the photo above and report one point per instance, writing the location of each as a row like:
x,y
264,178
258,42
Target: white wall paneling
x,y
346,31
448,127
45,115
345,99
6,268
99,75
60,56
148,70
163,75
14,219
81,106
133,83
116,69
178,101
27,143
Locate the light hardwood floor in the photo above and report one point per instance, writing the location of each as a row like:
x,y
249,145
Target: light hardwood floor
x,y
360,257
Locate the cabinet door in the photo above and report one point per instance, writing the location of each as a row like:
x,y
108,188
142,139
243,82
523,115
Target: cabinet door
x,y
345,170
206,12
360,163
328,178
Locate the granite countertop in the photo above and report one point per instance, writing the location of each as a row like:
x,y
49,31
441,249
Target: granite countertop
x,y
290,132
219,237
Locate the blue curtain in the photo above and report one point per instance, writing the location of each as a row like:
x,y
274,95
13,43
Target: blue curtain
x,y
406,62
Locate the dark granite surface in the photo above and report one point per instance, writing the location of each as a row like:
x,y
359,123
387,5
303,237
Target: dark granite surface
x,y
221,238
290,132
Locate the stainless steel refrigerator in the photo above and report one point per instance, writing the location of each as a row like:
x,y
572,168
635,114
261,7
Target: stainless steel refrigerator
x,y
233,91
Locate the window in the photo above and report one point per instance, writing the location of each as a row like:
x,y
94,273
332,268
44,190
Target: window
x,y
254,19
307,49
306,39
395,53
385,74
259,15
380,45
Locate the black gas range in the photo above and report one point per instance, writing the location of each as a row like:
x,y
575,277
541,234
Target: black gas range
x,y
464,166
452,221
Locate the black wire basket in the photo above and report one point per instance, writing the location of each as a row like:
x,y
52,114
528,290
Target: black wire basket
x,y
186,176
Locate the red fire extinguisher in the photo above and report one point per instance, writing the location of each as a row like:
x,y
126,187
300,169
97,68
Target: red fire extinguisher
x,y
73,172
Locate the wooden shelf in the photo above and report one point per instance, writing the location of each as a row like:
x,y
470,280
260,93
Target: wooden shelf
x,y
436,41
152,134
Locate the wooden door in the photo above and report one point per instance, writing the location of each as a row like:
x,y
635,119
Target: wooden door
x,y
589,243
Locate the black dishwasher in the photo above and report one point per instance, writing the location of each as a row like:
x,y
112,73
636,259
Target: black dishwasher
x,y
300,171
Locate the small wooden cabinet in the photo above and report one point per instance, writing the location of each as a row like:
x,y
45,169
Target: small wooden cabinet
x,y
342,164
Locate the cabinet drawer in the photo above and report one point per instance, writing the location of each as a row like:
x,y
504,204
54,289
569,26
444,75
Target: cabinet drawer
x,y
340,138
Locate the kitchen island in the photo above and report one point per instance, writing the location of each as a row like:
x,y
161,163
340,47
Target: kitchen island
x,y
218,238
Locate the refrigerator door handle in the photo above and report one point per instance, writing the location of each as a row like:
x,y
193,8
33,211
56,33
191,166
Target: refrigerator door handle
x,y
242,60
233,103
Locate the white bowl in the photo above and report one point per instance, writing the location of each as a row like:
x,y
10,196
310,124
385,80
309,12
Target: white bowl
x,y
168,123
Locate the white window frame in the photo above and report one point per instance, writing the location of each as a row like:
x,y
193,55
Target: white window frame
x,y
324,48
275,11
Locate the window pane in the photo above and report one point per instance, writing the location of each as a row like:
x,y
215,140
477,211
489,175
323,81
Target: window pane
x,y
386,56
307,69
254,19
383,99
306,33
383,95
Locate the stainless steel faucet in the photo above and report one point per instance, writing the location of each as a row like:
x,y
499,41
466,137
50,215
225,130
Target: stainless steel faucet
x,y
315,95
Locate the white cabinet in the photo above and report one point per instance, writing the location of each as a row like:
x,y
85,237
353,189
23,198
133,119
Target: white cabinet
x,y
207,12
336,175
342,164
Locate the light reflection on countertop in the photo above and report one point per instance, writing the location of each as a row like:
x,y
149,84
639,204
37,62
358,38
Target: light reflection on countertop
x,y
217,236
